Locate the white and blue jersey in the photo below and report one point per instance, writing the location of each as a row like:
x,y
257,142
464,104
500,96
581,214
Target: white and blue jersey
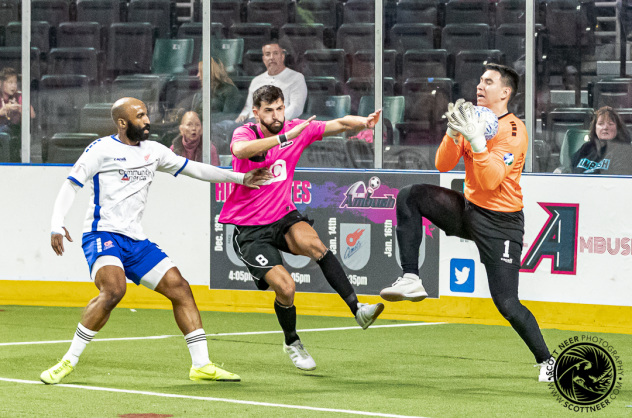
x,y
121,175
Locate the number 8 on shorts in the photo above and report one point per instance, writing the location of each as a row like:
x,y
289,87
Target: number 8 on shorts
x,y
261,260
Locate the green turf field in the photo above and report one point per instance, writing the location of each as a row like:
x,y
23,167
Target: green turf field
x,y
432,371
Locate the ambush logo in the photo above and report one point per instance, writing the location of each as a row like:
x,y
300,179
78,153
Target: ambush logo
x,y
360,196
557,240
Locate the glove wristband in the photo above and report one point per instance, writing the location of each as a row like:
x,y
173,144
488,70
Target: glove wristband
x,y
281,138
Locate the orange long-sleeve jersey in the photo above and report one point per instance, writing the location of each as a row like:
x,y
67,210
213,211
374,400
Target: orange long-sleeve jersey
x,y
492,177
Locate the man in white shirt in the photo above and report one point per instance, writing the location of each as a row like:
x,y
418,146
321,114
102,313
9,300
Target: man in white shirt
x,y
291,83
121,168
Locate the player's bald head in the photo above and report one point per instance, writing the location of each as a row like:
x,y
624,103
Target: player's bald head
x,y
125,107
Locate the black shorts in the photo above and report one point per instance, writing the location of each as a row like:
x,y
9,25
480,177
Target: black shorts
x,y
258,246
498,235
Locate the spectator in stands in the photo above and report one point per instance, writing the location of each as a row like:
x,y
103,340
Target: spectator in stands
x,y
609,150
10,102
189,143
291,83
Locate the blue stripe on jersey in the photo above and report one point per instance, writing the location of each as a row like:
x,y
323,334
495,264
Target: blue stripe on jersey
x,y
182,168
114,138
97,208
74,180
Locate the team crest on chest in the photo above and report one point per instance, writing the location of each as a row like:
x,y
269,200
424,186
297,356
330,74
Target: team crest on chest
x,y
286,144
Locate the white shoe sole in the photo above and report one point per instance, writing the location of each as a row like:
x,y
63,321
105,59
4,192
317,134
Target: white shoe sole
x,y
398,297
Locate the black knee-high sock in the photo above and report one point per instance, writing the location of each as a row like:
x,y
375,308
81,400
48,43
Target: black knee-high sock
x,y
503,285
409,231
338,280
287,319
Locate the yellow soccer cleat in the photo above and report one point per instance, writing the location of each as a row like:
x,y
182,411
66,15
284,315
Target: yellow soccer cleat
x,y
54,375
212,372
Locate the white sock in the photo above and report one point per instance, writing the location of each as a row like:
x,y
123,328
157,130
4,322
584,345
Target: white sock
x,y
81,339
196,341
411,276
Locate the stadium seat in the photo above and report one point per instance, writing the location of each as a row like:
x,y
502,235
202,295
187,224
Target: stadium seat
x,y
40,35
66,148
96,118
172,56
425,63
359,11
255,35
427,99
179,88
328,107
5,139
573,140
226,12
324,86
558,121
613,93
156,12
61,98
467,11
354,37
469,66
510,40
327,153
11,56
360,153
230,52
148,88
512,12
317,11
363,63
393,107
405,36
274,12
562,23
408,157
194,31
9,11
418,11
466,36
253,62
324,62
75,61
243,84
358,87
79,35
425,137
123,59
52,11
298,38
104,12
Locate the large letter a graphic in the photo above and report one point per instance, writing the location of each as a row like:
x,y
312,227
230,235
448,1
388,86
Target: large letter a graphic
x,y
557,240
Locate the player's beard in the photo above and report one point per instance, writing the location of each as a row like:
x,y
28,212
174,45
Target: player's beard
x,y
135,134
273,129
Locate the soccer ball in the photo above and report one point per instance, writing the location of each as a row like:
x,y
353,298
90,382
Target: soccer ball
x,y
491,127
374,184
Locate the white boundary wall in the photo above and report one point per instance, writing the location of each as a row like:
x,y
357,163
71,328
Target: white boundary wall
x,y
177,219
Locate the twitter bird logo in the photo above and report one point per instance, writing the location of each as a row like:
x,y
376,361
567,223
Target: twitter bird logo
x,y
462,275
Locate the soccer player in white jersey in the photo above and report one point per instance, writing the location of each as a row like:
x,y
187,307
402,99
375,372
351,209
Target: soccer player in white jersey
x,y
121,168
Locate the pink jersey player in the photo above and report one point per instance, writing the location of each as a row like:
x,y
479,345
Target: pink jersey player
x,y
246,206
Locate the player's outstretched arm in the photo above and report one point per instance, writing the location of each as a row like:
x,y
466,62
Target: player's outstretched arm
x,y
352,123
63,203
212,174
248,149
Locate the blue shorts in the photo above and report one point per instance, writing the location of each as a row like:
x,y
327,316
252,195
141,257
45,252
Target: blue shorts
x,y
137,257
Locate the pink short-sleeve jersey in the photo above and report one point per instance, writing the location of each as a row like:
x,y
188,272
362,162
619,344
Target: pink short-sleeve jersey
x,y
272,201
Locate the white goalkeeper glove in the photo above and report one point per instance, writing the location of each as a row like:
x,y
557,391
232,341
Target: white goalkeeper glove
x,y
472,126
452,108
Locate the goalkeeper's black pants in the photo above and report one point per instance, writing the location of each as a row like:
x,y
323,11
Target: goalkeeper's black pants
x,y
498,237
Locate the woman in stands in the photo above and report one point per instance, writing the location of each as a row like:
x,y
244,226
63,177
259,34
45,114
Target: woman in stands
x,y
609,150
189,143
11,109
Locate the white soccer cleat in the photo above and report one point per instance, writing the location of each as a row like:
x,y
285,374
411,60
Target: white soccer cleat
x,y
547,370
367,314
299,356
408,287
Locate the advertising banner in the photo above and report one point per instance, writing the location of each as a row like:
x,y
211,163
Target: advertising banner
x,y
354,215
577,243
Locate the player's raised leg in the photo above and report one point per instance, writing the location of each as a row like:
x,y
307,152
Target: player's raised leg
x,y
284,288
302,239
444,208
110,280
177,290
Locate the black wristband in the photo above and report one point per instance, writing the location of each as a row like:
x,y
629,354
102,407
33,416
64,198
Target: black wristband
x,y
282,139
